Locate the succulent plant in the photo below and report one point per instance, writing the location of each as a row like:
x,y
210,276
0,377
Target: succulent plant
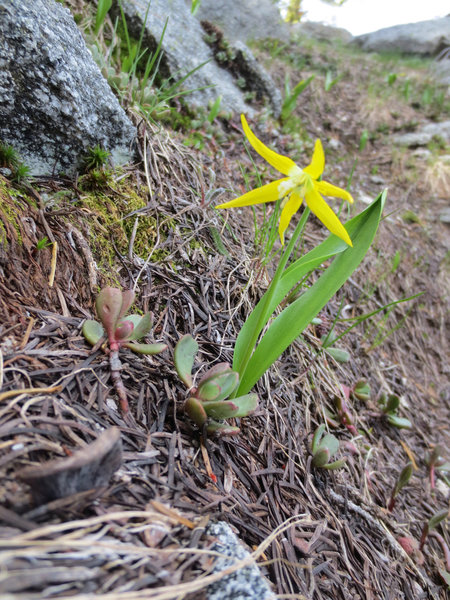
x,y
389,406
207,404
323,447
111,306
119,331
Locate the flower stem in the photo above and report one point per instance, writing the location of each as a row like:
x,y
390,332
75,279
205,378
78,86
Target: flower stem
x,y
270,292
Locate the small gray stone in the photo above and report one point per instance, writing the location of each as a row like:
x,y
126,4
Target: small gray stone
x,y
444,217
426,38
245,584
54,102
424,135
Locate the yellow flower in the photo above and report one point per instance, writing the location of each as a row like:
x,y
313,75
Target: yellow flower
x,y
298,185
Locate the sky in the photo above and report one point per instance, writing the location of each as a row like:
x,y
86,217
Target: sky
x,y
363,16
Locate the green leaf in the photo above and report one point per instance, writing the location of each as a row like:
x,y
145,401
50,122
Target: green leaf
x,y
317,437
145,348
362,390
445,575
219,387
281,332
437,518
403,478
392,404
194,408
321,457
183,356
331,443
92,331
398,422
142,325
103,7
246,404
338,464
221,429
220,410
339,354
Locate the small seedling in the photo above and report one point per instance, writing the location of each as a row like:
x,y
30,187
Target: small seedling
x,y
95,158
329,81
323,447
402,480
119,331
389,406
428,531
44,243
437,461
291,96
207,405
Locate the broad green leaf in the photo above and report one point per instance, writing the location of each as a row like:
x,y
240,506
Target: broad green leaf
x,y
321,457
246,404
339,354
219,387
146,348
92,331
194,408
183,357
331,443
399,422
403,478
220,410
282,331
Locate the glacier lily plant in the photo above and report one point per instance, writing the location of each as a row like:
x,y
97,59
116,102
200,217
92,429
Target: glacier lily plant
x,y
265,334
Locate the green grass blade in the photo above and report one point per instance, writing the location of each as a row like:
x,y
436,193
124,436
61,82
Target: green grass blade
x,y
294,318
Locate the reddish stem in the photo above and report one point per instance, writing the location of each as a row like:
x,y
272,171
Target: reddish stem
x,y
116,367
444,547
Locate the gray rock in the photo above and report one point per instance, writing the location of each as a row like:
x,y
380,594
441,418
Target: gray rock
x,y
54,102
245,584
426,38
444,217
256,77
440,68
424,135
244,19
321,32
184,49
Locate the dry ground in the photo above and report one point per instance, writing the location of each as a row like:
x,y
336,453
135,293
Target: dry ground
x,y
137,535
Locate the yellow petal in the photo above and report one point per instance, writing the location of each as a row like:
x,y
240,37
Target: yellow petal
x,y
325,214
266,193
281,163
289,210
328,189
317,164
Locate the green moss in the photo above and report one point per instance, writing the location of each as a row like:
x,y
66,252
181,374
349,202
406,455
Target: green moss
x,y
13,204
112,215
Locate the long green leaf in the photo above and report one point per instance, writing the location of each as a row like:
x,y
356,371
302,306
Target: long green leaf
x,y
293,274
294,318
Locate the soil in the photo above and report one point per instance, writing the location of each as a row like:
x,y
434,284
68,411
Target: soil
x,y
152,227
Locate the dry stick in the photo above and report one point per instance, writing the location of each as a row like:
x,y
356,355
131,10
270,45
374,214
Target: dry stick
x,y
51,278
